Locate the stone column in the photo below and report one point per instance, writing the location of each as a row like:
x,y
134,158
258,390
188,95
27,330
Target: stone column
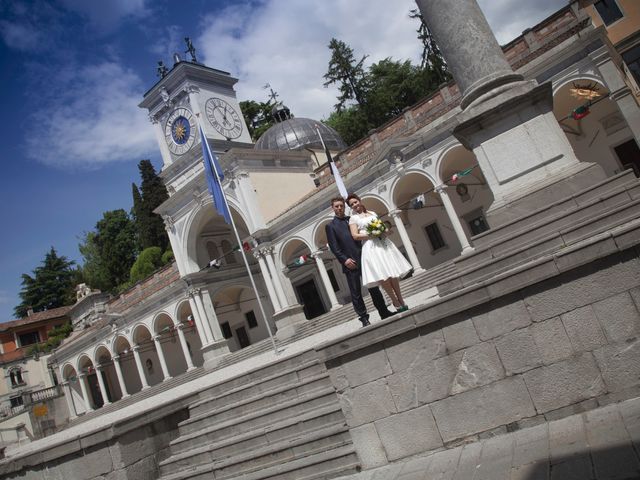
x,y
185,347
197,318
123,387
282,297
163,362
326,281
103,390
268,281
507,122
68,394
454,219
204,301
85,392
143,377
406,241
216,344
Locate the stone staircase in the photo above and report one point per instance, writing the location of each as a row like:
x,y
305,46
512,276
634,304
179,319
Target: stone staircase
x,y
575,218
280,421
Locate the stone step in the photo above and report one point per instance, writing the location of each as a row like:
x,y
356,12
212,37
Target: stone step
x,y
283,431
548,243
197,434
211,411
530,220
324,449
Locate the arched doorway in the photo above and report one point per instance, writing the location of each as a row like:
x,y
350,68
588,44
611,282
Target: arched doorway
x,y
130,374
166,338
296,256
73,391
105,368
148,362
187,325
87,374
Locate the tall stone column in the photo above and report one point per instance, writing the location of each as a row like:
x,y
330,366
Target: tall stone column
x,y
163,362
197,318
406,241
123,386
326,281
85,392
185,347
69,397
507,122
268,281
282,297
454,219
143,377
216,344
103,389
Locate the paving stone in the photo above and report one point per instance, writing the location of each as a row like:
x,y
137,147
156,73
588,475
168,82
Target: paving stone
x,y
630,411
569,449
367,403
531,445
611,448
564,383
518,351
387,473
371,365
478,365
368,445
503,316
620,365
460,335
552,341
531,471
416,350
483,408
408,433
496,458
469,460
444,464
618,317
415,468
583,329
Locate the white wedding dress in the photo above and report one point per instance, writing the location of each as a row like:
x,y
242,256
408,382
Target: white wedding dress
x,y
380,258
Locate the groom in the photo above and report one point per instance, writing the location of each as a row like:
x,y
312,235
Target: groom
x,y
347,251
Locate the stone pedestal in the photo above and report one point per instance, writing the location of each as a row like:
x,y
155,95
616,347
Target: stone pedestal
x,y
287,320
213,353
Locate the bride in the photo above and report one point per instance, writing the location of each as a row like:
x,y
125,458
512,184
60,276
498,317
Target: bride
x,y
382,262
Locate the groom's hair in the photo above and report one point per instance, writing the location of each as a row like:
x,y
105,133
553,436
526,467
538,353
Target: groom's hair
x,y
336,199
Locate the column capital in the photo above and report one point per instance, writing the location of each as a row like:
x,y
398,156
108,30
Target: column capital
x,y
82,375
181,326
395,213
116,358
258,254
136,348
267,250
193,291
440,189
156,338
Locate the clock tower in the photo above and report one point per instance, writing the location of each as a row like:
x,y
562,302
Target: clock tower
x,y
188,95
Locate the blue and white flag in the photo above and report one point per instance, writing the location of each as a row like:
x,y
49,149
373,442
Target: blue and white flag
x,y
214,178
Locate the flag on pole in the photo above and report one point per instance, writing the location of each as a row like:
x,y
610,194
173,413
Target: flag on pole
x,y
214,176
334,169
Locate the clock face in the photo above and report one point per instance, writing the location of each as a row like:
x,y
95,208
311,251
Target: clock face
x,y
224,118
180,131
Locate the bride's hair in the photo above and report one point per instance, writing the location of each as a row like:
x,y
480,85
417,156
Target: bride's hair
x,y
353,195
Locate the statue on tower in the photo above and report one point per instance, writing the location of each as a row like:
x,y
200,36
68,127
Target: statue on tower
x,y
190,49
162,69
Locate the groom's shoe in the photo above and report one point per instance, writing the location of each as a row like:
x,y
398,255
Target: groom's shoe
x,y
365,321
387,314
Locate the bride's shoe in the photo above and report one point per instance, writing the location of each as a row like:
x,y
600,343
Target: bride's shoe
x,y
402,308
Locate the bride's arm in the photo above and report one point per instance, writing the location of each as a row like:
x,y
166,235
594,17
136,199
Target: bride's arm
x,y
355,234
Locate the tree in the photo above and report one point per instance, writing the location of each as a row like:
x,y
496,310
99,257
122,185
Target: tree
x,y
109,251
350,123
432,58
51,286
149,225
149,260
257,116
348,74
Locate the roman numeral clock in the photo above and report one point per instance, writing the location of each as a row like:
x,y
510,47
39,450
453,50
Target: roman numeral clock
x,y
180,131
223,117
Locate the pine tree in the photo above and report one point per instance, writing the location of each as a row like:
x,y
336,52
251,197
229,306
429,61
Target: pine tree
x,y
432,59
149,226
51,286
347,73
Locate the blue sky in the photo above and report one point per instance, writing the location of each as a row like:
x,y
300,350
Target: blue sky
x,y
73,71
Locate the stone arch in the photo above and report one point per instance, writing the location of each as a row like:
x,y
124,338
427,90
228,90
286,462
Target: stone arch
x,y
576,77
142,337
122,347
184,316
161,321
103,358
319,235
292,248
73,390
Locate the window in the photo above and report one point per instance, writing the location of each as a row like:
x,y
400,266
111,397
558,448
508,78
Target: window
x,y
16,377
16,401
252,321
632,59
608,11
28,338
226,330
478,225
435,237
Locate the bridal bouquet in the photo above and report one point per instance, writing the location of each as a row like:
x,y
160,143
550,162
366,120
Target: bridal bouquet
x,y
376,228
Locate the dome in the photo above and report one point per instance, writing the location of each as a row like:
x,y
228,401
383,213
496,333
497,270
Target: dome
x,y
298,133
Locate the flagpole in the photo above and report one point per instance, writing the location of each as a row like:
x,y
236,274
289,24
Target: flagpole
x,y
235,231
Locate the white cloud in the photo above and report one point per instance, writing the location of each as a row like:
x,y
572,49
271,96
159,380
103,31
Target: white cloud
x,y
284,42
94,120
20,36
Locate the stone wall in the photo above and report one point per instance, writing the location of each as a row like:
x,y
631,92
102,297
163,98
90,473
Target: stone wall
x,y
430,379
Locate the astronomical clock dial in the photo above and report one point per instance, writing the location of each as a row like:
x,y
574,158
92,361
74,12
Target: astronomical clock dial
x,y
180,131
224,118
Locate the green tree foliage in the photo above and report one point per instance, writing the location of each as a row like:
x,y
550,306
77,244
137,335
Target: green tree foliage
x,y
350,123
55,337
257,116
167,257
149,226
109,251
349,75
149,260
51,285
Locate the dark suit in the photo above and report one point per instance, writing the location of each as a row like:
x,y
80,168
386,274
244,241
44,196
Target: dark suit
x,y
345,247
